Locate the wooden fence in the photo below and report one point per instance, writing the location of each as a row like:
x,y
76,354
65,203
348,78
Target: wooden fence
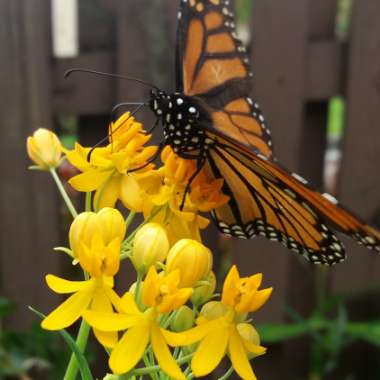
x,y
298,63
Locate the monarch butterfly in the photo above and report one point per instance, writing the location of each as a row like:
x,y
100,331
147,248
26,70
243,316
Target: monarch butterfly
x,y
212,119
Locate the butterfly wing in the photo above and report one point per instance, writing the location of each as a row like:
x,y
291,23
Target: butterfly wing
x,y
267,200
212,65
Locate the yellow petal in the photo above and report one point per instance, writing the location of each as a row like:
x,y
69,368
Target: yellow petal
x,y
110,321
175,300
163,355
131,193
111,263
107,193
129,304
90,180
78,157
112,224
62,286
150,288
130,349
210,352
191,336
101,303
238,356
254,348
260,298
69,311
230,289
116,300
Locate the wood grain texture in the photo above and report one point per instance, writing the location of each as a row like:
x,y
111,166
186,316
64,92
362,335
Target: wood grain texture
x,y
28,201
360,181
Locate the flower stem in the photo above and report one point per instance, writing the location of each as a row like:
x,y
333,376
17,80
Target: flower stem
x,y
147,220
138,288
62,190
155,368
227,374
101,192
129,219
72,368
88,201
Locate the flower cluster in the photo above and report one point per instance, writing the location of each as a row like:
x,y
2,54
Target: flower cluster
x,y
171,319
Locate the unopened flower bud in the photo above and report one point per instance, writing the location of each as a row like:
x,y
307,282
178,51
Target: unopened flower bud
x,y
108,223
150,246
249,333
213,310
205,291
110,376
192,258
44,149
183,319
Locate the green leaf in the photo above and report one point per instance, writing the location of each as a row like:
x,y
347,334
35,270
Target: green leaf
x,y
82,362
275,333
6,307
368,331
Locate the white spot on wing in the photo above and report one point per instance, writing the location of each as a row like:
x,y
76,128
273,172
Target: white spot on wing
x,y
330,198
299,178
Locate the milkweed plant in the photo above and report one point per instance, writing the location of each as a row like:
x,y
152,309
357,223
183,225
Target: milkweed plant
x,y
170,323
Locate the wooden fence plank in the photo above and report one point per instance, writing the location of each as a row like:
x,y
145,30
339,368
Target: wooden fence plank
x,y
322,16
279,88
360,180
84,94
324,70
28,202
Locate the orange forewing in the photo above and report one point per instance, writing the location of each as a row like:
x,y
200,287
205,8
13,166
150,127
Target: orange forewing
x,y
237,122
201,71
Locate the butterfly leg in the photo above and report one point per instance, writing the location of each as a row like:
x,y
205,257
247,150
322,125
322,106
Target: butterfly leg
x,y
151,129
200,162
152,159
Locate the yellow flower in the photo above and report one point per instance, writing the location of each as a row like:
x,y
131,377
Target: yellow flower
x,y
192,258
107,223
242,294
106,173
44,149
221,329
160,294
96,240
165,188
150,246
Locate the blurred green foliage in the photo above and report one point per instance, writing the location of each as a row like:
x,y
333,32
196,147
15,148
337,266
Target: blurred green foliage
x,y
33,351
244,10
330,330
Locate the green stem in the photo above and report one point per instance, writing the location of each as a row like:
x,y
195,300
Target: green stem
x,y
88,201
155,368
148,364
129,219
101,192
129,239
139,279
62,190
227,374
72,368
147,220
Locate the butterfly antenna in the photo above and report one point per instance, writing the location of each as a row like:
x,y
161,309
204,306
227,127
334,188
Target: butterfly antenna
x,y
100,73
124,104
109,135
